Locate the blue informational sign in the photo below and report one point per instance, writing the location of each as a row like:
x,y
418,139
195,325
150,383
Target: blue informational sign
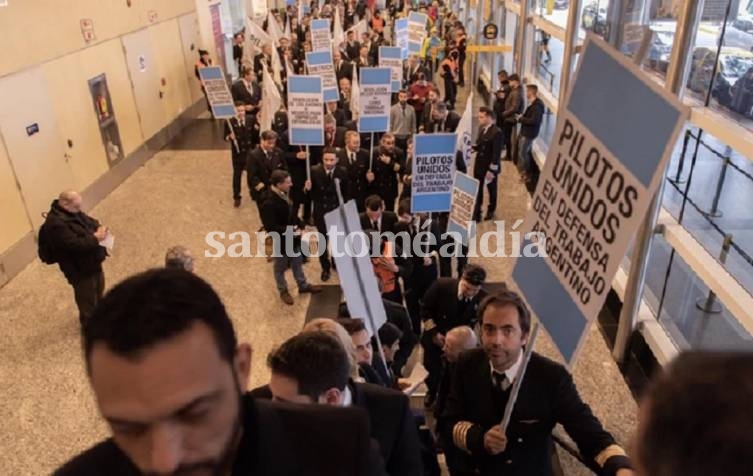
x,y
218,94
416,31
604,166
305,110
321,36
376,92
432,172
392,57
401,35
464,192
320,64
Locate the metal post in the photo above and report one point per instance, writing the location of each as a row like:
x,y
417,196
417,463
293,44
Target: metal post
x,y
709,304
681,164
715,212
571,32
689,17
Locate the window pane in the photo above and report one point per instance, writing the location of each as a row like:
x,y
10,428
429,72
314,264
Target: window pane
x,y
650,39
724,75
548,61
593,17
553,10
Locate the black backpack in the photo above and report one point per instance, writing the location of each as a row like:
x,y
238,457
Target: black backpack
x,y
44,247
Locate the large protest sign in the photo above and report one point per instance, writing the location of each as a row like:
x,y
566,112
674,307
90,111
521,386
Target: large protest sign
x,y
401,35
218,94
321,39
353,261
376,87
305,110
416,31
604,165
392,57
433,172
464,192
320,64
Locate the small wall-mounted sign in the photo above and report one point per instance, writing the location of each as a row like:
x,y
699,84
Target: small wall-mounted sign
x,y
32,129
152,15
87,29
490,31
142,63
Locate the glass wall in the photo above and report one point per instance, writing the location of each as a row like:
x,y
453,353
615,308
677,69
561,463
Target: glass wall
x,y
709,182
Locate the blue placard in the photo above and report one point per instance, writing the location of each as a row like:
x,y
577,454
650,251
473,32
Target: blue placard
x,y
617,161
218,94
376,87
392,57
401,35
464,193
433,171
320,64
417,25
305,110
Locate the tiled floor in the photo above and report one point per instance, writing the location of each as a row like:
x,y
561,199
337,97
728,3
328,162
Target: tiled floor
x,y
48,411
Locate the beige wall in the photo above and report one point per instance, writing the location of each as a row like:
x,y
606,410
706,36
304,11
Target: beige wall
x,y
14,224
47,35
48,29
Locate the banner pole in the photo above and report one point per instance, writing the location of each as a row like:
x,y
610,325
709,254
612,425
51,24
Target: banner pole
x,y
235,141
308,164
519,378
371,153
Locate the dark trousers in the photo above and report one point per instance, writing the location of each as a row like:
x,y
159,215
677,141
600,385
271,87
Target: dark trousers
x,y
87,292
450,91
509,135
389,203
445,262
238,168
324,260
402,142
491,187
461,71
432,363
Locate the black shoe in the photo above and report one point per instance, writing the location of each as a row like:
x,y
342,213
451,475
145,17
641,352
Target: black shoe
x,y
286,298
237,202
325,275
310,289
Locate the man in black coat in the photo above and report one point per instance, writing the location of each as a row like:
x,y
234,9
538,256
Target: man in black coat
x,y
343,68
247,90
486,167
334,137
280,221
514,105
388,163
169,377
479,390
356,161
443,120
448,303
352,46
263,61
323,194
262,161
239,133
73,239
530,125
313,367
375,217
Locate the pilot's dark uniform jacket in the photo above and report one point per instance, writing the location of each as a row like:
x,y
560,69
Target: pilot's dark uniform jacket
x,y
392,425
240,148
259,169
442,311
548,396
278,440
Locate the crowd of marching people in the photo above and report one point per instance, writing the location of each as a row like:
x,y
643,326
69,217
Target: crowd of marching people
x,y
162,356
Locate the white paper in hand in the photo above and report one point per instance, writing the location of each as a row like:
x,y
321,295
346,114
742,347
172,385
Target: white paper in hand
x,y
108,241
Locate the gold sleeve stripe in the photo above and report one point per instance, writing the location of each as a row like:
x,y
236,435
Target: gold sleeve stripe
x,y
460,434
429,325
608,452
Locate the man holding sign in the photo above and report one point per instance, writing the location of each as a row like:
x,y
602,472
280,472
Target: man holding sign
x,y
481,386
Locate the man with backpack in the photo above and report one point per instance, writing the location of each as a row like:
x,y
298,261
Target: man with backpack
x,y
71,238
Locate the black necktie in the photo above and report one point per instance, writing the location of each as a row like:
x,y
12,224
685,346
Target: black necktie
x,y
500,381
375,225
352,157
